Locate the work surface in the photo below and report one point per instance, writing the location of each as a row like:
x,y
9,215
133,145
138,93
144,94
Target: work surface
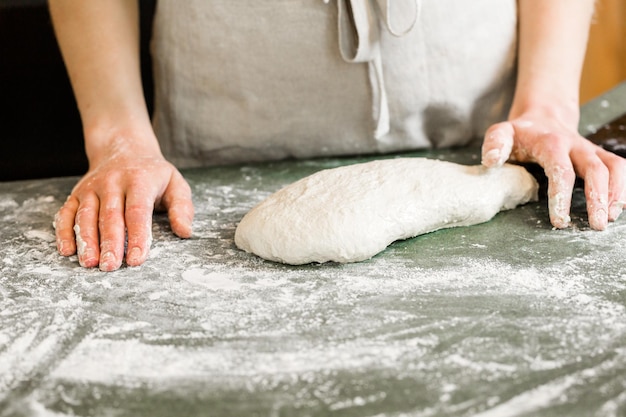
x,y
504,318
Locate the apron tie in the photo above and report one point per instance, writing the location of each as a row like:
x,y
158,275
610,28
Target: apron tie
x,y
359,42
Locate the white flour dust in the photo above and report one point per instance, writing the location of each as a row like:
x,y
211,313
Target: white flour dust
x,y
210,280
468,318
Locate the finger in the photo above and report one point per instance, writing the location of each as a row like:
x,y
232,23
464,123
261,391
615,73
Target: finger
x,y
617,183
497,144
64,227
86,231
560,187
138,216
177,201
112,231
556,162
596,176
597,196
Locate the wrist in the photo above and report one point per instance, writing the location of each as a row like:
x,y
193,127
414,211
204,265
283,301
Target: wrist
x,y
567,111
544,95
104,141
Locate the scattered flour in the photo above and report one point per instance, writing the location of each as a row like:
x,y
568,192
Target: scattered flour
x,y
42,235
81,245
211,280
203,314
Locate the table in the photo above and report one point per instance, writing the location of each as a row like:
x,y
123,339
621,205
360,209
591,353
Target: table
x,y
506,318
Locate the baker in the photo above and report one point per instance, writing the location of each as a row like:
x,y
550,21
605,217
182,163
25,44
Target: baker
x,y
250,81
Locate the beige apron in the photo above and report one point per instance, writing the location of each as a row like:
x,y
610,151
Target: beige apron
x,y
239,81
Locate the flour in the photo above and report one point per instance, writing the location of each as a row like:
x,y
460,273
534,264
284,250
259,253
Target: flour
x,y
249,329
81,245
456,314
8,204
43,235
351,213
211,280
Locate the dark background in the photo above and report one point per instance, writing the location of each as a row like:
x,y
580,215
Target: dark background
x,y
40,129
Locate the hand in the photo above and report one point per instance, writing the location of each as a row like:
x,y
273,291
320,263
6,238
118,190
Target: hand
x,y
563,154
115,198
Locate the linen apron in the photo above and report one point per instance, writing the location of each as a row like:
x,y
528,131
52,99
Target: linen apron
x,y
243,81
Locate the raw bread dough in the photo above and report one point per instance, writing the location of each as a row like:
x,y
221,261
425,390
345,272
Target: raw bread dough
x,y
351,213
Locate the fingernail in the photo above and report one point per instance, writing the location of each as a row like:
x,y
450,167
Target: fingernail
x,y
87,258
61,246
134,256
562,221
600,219
615,210
559,211
598,216
107,261
492,158
65,248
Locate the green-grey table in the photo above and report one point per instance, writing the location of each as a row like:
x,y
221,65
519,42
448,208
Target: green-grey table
x,y
506,318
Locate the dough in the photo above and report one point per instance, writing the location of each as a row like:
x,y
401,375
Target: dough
x,y
351,213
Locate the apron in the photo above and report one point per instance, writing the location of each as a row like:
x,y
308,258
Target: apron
x,y
244,81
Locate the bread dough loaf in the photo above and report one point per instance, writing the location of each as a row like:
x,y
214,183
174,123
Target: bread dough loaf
x,y
351,213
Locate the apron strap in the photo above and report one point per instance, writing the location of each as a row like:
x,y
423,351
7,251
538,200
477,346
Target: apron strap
x,y
399,20
359,42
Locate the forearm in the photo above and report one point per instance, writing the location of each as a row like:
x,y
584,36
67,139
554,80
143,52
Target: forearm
x,y
552,43
99,41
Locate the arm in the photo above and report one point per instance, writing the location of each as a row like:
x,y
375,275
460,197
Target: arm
x,y
543,120
128,176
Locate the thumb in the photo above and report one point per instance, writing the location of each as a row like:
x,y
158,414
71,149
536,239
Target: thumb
x,y
497,144
177,201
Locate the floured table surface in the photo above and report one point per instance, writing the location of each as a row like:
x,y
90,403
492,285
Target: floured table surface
x,y
505,318
612,136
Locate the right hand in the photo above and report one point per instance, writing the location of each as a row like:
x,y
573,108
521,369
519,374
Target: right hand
x,y
553,143
117,197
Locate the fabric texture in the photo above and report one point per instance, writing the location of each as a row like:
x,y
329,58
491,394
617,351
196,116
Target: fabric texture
x,y
242,81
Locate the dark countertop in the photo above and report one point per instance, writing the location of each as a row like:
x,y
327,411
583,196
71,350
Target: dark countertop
x,y
506,318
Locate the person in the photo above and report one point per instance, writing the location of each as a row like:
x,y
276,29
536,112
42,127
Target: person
x,y
249,81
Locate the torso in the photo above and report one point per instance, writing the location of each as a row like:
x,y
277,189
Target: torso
x,y
266,80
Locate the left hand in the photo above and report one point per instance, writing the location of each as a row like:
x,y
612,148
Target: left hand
x,y
563,154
